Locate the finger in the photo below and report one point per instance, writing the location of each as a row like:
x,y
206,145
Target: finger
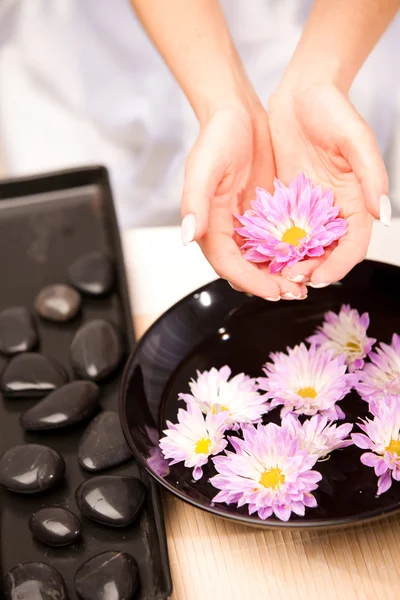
x,y
227,261
351,249
289,290
361,150
303,270
203,173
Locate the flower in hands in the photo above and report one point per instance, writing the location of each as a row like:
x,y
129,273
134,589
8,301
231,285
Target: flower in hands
x,y
382,374
307,381
237,398
193,439
268,471
296,222
345,333
381,438
319,436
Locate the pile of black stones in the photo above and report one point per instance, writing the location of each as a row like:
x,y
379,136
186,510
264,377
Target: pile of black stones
x,y
112,500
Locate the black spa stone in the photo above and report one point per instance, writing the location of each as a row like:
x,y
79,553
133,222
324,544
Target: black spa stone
x,y
55,526
34,581
111,499
103,444
108,576
92,274
32,375
58,302
17,331
69,404
95,350
31,468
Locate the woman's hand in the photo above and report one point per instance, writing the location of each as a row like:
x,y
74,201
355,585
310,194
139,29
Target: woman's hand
x,y
231,157
317,131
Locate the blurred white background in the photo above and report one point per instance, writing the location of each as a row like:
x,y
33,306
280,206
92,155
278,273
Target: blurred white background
x,y
80,84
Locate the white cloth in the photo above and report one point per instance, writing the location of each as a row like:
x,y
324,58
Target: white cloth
x,y
80,83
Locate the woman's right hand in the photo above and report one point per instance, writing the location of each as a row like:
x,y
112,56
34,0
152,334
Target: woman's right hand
x,y
231,157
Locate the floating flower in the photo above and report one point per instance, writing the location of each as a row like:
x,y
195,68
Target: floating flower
x,y
238,398
382,438
193,439
382,374
345,333
319,436
307,381
298,221
268,471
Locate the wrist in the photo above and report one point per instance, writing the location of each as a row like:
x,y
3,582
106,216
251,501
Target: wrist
x,y
235,94
306,73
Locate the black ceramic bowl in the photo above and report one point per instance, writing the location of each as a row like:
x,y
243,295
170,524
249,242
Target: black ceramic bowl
x,y
215,326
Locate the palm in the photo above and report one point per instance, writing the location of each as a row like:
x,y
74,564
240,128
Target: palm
x,y
310,137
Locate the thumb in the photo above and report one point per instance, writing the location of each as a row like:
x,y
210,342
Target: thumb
x,y
362,153
203,173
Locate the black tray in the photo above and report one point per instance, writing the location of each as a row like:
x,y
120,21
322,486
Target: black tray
x,y
45,224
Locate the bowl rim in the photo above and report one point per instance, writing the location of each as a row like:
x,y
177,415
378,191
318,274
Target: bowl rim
x,y
359,519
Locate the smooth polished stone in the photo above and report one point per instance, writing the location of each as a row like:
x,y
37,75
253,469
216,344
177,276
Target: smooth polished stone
x,y
17,331
108,576
34,581
111,499
31,468
55,526
92,274
58,302
32,375
103,444
69,404
95,350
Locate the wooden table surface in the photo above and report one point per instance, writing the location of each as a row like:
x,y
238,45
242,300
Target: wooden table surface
x,y
212,559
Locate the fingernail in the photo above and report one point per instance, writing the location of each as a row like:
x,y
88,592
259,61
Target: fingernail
x,y
272,299
385,210
188,229
298,278
290,296
317,286
234,287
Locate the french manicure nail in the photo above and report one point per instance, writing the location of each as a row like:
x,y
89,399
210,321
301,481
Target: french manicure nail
x,y
188,229
270,299
290,296
298,278
234,287
385,210
317,286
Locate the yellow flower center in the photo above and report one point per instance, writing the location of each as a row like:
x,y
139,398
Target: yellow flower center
x,y
214,409
394,447
272,478
293,235
307,392
203,446
353,346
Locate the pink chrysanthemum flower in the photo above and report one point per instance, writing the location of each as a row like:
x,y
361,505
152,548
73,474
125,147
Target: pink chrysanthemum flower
x,y
295,223
238,398
307,381
268,471
193,439
382,438
382,374
319,436
345,333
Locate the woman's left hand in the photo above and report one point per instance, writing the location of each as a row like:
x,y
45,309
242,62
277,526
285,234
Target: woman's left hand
x,y
317,131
